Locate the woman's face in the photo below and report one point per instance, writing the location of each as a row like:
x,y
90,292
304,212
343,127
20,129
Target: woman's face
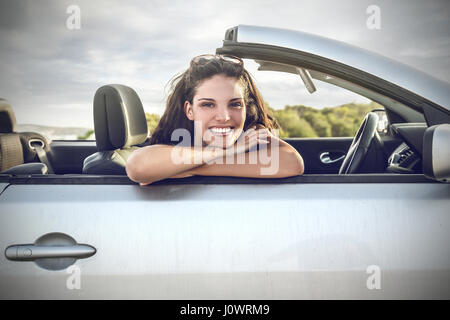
x,y
218,109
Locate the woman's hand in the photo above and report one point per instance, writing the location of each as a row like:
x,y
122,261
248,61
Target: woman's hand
x,y
250,139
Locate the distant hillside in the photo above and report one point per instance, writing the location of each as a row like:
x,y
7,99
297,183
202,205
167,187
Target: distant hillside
x,y
340,121
75,133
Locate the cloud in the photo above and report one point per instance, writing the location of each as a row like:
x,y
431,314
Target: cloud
x,y
438,48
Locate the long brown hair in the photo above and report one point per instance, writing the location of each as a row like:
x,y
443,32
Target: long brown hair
x,y
183,89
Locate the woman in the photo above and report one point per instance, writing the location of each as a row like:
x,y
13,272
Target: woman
x,y
217,110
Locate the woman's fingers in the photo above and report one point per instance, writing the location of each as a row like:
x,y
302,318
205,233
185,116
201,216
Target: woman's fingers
x,y
251,138
259,135
263,141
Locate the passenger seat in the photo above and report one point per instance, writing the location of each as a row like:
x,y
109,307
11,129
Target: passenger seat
x,y
119,125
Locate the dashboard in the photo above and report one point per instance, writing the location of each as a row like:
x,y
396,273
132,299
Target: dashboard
x,y
407,157
404,160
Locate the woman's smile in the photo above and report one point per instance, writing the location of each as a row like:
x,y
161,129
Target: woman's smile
x,y
221,131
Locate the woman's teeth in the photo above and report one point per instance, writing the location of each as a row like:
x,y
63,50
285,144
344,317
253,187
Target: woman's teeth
x,y
221,130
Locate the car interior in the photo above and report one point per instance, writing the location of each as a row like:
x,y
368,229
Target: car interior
x,y
120,128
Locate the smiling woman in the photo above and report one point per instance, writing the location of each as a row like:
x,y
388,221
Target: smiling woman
x,y
225,129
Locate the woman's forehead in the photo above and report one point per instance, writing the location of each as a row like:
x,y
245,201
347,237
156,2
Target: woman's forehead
x,y
219,86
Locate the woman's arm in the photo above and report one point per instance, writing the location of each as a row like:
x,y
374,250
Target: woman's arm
x,y
280,160
157,162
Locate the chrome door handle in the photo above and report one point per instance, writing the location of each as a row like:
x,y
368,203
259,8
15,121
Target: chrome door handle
x,y
31,252
325,158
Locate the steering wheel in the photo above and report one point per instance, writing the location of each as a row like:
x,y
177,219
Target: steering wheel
x,y
360,144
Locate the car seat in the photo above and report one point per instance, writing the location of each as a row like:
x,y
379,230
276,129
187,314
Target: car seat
x,y
21,152
119,125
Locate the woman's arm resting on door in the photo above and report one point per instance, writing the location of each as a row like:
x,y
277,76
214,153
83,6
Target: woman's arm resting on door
x,y
278,160
157,162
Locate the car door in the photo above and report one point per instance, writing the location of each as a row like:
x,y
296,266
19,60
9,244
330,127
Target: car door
x,y
225,238
322,155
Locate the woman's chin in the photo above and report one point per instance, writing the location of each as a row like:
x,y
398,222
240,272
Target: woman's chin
x,y
219,142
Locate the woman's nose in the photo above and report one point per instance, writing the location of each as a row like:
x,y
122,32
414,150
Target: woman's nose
x,y
222,114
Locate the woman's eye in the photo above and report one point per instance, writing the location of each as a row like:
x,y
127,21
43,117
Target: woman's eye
x,y
236,105
207,104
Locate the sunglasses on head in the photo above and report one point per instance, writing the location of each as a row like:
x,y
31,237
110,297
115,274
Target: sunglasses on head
x,y
204,58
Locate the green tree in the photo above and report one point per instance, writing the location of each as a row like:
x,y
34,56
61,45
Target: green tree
x,y
319,123
339,121
292,125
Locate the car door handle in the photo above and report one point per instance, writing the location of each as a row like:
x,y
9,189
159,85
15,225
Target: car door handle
x,y
325,158
31,252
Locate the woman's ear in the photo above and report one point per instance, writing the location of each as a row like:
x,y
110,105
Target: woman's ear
x,y
188,110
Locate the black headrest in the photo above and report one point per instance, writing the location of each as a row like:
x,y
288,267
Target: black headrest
x,y
7,117
119,118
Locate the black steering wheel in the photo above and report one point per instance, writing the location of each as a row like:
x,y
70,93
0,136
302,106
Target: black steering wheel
x,y
360,144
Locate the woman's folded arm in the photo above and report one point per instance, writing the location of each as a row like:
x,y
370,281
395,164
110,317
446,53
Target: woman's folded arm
x,y
277,160
157,162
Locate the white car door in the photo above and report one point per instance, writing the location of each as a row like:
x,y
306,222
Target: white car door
x,y
304,238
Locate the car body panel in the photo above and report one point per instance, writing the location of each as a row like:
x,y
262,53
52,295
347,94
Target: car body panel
x,y
384,68
240,241
3,187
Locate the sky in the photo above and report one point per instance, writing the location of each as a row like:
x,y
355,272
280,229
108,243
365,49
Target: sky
x,y
49,72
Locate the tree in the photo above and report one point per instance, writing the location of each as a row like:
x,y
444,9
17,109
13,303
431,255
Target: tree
x,y
341,121
292,125
319,122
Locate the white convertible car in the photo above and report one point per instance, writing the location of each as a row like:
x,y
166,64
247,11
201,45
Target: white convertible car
x,y
369,219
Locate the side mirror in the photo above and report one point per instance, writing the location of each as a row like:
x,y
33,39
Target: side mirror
x,y
436,152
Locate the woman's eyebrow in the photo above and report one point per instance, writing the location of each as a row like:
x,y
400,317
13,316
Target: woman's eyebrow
x,y
211,99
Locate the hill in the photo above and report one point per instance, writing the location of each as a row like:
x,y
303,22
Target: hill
x,y
340,121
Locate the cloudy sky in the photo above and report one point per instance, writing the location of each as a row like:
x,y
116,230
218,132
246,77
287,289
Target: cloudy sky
x,y
50,73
